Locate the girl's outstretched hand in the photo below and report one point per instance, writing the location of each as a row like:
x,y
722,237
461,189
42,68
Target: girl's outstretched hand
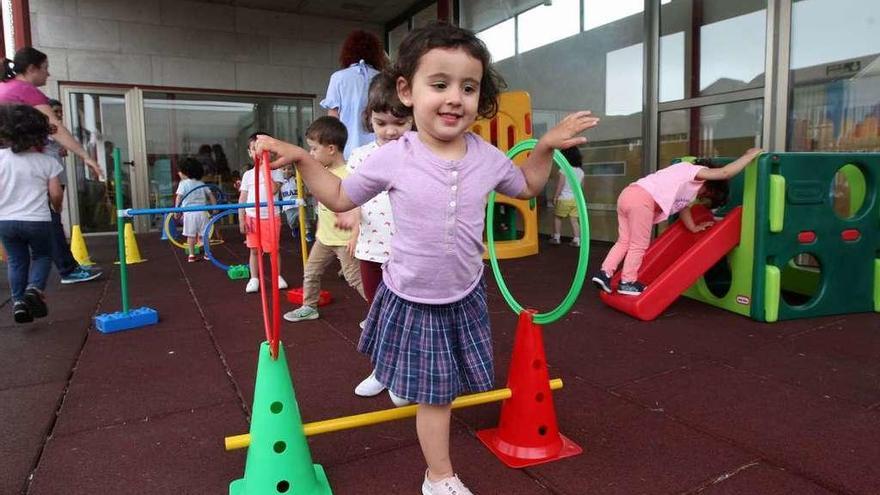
x,y
283,152
565,133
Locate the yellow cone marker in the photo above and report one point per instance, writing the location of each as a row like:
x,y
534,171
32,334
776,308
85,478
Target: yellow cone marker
x,y
132,253
78,247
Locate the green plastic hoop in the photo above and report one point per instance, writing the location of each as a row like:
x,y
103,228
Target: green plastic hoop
x,y
583,256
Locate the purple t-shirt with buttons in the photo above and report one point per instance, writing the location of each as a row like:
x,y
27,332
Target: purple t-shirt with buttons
x,y
21,92
439,210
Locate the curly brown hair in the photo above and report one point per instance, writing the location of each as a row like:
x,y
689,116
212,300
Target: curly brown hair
x,y
362,45
23,128
440,34
382,98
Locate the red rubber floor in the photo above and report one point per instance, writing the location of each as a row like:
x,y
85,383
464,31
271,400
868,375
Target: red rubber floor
x,y
699,401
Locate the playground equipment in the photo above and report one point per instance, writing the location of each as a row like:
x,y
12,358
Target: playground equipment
x,y
128,319
78,247
125,319
278,456
385,415
132,252
786,248
169,226
511,125
234,272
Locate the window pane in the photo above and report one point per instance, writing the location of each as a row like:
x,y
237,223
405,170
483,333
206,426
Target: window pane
x,y
600,12
545,24
500,39
598,70
732,53
213,129
716,130
835,97
425,16
730,46
623,81
672,55
395,36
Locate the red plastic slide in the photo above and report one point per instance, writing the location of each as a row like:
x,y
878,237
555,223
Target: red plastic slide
x,y
675,261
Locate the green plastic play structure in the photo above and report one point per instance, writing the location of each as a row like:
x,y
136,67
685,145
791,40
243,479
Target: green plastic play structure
x,y
806,249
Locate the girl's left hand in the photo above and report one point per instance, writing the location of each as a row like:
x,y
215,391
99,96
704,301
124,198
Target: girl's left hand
x,y
565,133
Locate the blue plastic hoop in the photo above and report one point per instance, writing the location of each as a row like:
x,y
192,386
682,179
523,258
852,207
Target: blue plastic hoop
x,y
207,245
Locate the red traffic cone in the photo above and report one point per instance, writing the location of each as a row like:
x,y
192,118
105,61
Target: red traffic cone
x,y
527,433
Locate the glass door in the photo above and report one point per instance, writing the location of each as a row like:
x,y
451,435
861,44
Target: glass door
x,y
213,129
98,119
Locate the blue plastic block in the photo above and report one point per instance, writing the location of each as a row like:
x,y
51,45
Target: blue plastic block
x,y
119,321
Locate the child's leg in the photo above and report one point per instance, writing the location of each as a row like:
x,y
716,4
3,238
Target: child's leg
x,y
191,245
40,242
320,258
618,251
18,259
641,221
351,270
635,217
575,226
432,425
371,275
252,263
557,226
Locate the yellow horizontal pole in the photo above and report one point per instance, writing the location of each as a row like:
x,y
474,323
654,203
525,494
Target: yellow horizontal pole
x,y
383,416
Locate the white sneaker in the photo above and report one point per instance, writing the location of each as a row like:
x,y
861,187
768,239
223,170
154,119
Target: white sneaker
x,y
447,486
369,387
555,241
282,284
253,285
397,400
362,324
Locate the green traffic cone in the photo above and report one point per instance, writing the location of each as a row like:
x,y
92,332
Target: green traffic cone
x,y
278,458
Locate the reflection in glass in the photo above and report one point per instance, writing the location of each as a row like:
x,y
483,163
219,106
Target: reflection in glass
x,y
425,16
500,39
835,78
730,44
545,24
395,36
716,130
98,122
598,70
214,130
600,12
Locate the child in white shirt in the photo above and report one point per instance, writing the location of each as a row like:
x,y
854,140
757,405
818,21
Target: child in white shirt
x,y
247,218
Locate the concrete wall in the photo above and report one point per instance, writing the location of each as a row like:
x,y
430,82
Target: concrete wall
x,y
187,43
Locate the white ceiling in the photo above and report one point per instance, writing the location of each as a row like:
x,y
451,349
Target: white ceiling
x,y
371,11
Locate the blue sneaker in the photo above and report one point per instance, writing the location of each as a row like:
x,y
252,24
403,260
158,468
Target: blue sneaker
x,y
310,237
80,275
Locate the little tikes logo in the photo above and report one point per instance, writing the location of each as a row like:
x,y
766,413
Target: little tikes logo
x,y
744,300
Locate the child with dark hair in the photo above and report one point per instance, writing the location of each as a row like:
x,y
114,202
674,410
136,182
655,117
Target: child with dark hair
x,y
27,177
326,139
191,192
247,217
651,200
389,119
563,200
361,58
428,331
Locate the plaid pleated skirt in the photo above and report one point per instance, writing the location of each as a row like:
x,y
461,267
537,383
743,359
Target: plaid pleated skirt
x,y
430,353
